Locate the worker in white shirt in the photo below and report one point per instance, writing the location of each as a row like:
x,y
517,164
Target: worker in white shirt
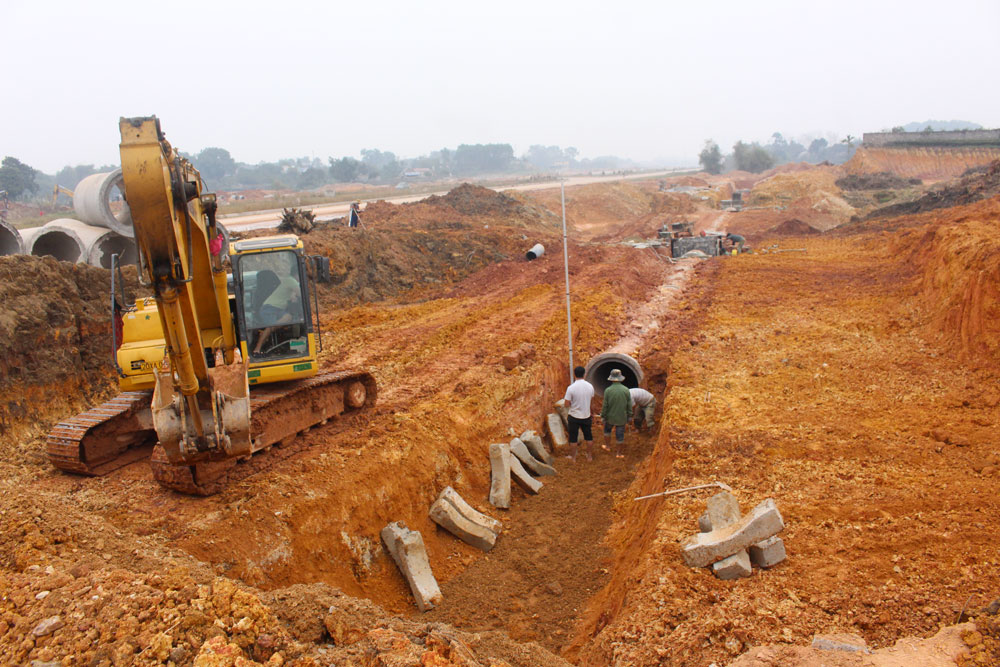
x,y
643,405
578,397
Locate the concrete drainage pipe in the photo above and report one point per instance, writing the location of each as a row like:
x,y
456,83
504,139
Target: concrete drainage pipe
x,y
51,240
10,240
92,202
600,368
74,241
536,251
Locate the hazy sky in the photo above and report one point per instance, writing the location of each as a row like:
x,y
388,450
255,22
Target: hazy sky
x,y
646,80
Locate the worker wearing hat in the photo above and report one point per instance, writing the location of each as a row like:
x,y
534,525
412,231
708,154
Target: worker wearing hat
x,y
615,412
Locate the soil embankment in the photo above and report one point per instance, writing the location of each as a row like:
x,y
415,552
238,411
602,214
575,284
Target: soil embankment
x,y
929,163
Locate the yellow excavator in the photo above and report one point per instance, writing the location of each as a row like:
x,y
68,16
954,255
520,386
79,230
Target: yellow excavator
x,y
188,356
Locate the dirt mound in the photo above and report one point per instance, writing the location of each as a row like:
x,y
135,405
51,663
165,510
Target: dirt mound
x,y
55,343
930,163
467,203
974,185
810,195
614,211
792,227
880,181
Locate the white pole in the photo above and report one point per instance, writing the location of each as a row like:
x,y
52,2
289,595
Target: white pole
x,y
569,318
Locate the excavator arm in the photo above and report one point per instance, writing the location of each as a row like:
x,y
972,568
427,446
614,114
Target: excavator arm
x,y
201,406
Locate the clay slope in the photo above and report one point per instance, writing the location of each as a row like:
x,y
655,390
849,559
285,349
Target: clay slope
x,y
929,163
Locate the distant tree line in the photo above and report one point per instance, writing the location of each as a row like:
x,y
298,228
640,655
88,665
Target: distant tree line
x,y
222,172
755,157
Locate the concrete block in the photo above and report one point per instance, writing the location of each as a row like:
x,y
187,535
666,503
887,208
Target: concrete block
x,y
468,511
537,447
448,517
536,467
523,479
562,409
736,566
768,553
407,548
500,475
723,509
557,430
704,549
705,523
840,642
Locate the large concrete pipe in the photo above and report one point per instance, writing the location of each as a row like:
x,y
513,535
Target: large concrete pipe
x,y
536,251
600,368
92,202
54,241
10,239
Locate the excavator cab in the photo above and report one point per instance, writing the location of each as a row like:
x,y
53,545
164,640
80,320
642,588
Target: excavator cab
x,y
274,318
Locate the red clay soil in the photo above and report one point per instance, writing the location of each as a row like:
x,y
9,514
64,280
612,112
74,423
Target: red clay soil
x,y
818,387
929,163
845,382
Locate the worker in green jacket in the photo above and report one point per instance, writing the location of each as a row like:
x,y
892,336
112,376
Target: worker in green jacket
x,y
615,412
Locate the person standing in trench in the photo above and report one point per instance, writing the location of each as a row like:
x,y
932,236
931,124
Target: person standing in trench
x,y
578,397
615,411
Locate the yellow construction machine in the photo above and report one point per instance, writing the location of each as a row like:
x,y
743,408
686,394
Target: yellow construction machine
x,y
188,356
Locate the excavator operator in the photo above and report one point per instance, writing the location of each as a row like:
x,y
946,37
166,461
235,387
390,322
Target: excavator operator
x,y
282,306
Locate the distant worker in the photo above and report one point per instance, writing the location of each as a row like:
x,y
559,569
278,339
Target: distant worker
x,y
643,405
578,396
282,306
354,217
736,240
615,412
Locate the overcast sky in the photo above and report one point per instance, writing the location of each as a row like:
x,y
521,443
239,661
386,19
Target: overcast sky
x,y
645,80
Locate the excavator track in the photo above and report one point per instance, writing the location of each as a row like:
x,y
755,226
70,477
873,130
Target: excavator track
x,y
279,412
105,437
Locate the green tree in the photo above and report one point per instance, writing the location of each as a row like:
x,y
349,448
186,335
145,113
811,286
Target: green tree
x,y
214,164
752,157
472,159
346,169
710,157
17,178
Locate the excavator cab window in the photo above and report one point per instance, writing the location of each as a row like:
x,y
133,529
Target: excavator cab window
x,y
274,305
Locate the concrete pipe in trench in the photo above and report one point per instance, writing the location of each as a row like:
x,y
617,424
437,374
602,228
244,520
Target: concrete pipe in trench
x,y
536,251
92,202
600,367
10,240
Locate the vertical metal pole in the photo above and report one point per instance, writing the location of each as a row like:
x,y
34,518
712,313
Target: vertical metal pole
x,y
569,317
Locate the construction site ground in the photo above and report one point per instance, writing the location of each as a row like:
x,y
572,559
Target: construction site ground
x,y
853,378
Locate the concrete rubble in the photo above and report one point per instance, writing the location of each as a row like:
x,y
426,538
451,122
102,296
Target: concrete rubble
x,y
470,526
841,642
500,475
536,467
407,548
557,431
706,548
768,553
537,447
724,510
523,479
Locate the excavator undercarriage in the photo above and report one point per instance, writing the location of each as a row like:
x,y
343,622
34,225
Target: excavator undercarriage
x,y
120,431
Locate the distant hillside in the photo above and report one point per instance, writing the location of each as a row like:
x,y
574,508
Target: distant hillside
x,y
938,125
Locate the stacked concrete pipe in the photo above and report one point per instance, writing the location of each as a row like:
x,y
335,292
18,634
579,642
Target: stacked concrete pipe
x,y
74,241
92,202
10,240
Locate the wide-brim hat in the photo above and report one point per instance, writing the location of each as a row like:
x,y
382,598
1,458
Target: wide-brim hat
x,y
616,376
